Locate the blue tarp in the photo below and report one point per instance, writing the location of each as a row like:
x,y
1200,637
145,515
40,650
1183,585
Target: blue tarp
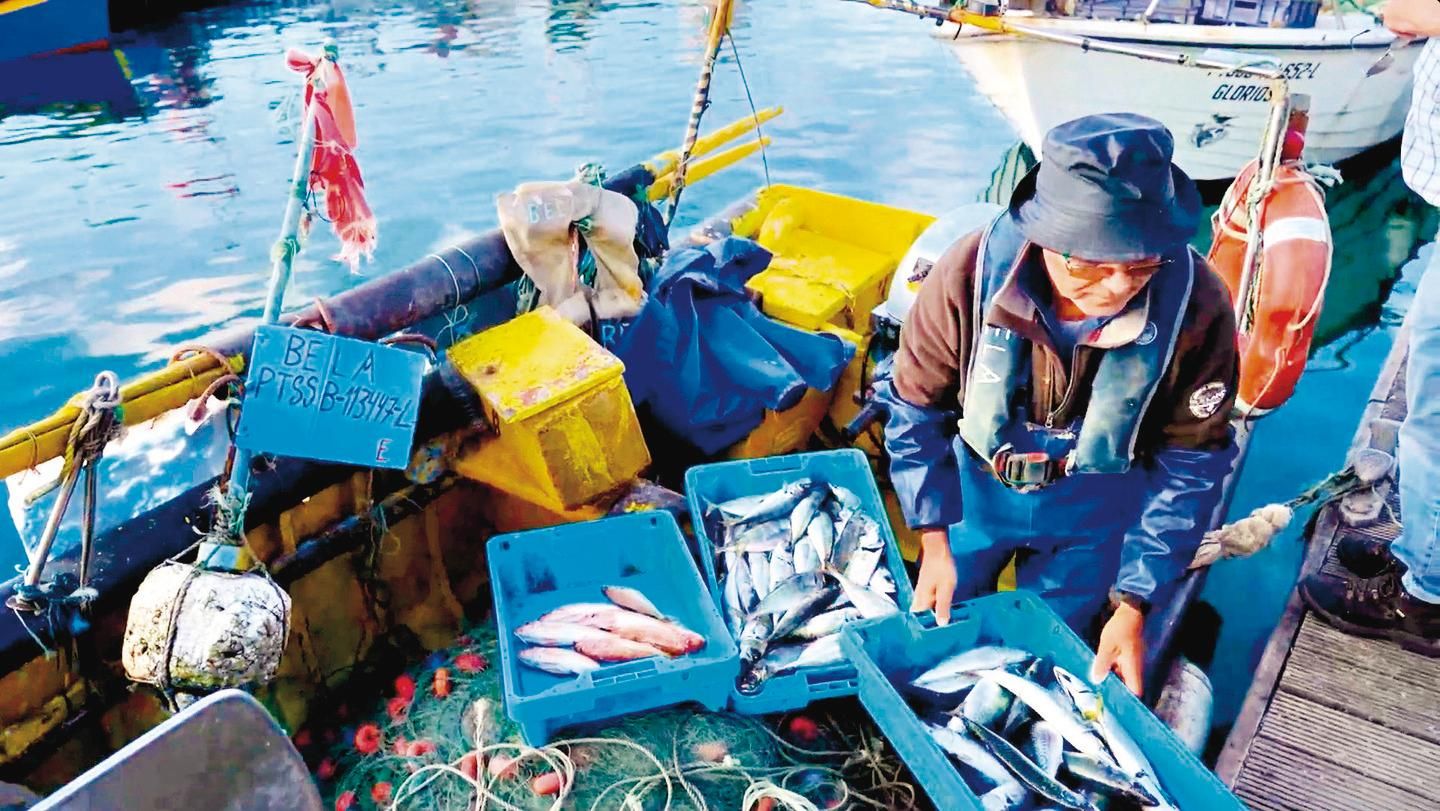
x,y
706,362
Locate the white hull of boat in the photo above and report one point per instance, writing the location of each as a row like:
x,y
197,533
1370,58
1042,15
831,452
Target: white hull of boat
x,y
1217,119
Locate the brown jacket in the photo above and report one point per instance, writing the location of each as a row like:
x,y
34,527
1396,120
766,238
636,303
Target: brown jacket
x,y
1188,411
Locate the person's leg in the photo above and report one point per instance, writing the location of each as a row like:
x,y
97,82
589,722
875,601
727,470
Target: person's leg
x,y
1418,455
1400,598
1074,576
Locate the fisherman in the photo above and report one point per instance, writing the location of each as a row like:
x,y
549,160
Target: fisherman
x,y
1089,355
1394,592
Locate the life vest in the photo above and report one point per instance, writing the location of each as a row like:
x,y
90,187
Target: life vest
x,y
1123,387
1277,324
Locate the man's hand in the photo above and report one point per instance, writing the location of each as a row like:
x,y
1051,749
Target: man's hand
x,y
1412,18
936,585
1122,642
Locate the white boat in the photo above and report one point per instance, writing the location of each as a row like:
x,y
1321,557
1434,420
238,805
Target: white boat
x,y
1217,117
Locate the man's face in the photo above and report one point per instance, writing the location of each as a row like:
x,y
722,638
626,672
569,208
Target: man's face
x,y
1098,289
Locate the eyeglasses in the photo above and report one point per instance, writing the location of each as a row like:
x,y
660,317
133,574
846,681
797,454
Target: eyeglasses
x,y
1085,270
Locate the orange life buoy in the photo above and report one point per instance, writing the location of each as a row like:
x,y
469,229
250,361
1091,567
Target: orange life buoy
x,y
1288,288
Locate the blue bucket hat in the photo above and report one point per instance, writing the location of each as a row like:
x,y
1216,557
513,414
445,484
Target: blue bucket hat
x,y
1106,190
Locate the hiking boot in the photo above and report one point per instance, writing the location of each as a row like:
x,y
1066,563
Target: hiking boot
x,y
1376,607
1365,557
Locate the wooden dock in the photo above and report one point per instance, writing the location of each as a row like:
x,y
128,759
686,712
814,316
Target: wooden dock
x,y
1334,722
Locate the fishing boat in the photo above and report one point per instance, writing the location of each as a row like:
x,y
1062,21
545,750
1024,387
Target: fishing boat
x,y
372,564
40,27
1041,67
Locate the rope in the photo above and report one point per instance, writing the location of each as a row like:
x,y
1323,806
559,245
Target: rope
x,y
97,424
754,113
165,684
453,317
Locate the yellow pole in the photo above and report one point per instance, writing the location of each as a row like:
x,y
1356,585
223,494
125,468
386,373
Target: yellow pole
x,y
665,162
703,169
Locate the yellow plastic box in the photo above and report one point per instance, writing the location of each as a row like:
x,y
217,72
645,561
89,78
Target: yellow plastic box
x,y
566,430
788,431
833,255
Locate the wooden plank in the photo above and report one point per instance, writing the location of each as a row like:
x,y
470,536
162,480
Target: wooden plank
x,y
1327,734
1320,538
1366,678
1281,777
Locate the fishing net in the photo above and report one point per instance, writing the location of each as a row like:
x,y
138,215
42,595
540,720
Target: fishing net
x,y
418,748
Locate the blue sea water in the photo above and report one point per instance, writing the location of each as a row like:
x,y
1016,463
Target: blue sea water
x,y
144,190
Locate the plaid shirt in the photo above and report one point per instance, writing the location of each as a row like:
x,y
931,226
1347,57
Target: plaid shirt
x,y
1420,146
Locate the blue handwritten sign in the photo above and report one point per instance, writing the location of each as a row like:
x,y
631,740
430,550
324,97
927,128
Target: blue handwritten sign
x,y
318,396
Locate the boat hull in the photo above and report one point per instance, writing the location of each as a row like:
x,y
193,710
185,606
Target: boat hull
x,y
1217,118
36,27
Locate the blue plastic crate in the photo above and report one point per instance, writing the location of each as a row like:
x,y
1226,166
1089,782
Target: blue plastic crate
x,y
722,481
904,646
533,572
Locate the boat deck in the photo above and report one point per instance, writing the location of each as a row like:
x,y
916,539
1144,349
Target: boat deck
x,y
1334,721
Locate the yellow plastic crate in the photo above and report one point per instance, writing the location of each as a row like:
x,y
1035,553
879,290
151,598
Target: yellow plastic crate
x,y
833,255
566,430
790,430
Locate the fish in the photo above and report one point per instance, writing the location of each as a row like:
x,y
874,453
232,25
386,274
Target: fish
x,y
821,652
871,604
744,584
972,754
1026,771
1121,748
821,536
579,612
782,659
667,636
560,661
863,566
807,560
734,614
763,537
814,602
971,662
557,634
612,648
844,497
881,581
870,537
755,637
793,592
759,573
782,566
1019,712
847,542
1006,797
1044,746
765,506
803,512
632,599
986,704
1109,778
1045,704
825,624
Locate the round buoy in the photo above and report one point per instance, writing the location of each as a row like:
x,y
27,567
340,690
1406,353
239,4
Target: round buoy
x,y
194,631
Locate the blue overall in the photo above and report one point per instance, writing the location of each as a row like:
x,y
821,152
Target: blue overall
x,y
1108,522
